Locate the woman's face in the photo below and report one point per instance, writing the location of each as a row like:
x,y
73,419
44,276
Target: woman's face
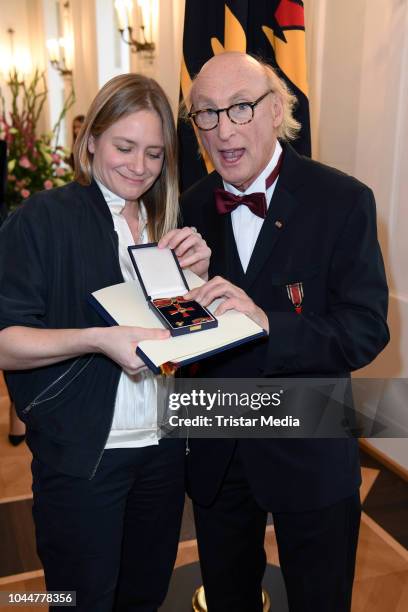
x,y
128,156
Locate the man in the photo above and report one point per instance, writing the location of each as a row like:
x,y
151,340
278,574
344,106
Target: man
x,y
315,235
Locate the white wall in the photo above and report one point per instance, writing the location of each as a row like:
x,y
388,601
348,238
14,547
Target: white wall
x,y
113,55
48,14
168,34
171,22
85,54
358,61
25,18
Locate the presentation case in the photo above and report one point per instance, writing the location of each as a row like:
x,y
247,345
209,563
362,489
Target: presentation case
x,y
164,285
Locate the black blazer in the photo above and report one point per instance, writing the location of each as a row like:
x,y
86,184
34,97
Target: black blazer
x,y
55,250
320,230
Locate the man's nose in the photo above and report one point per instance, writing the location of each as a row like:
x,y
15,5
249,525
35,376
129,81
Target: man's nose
x,y
225,126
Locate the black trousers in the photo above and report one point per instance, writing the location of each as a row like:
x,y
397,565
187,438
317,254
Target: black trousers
x,y
112,539
317,550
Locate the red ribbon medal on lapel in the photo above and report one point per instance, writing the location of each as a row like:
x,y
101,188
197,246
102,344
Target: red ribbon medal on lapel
x,y
295,294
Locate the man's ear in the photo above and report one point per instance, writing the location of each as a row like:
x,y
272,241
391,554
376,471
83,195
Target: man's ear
x,y
91,144
277,107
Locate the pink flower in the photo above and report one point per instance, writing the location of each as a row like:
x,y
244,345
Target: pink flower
x,y
55,158
48,184
11,178
60,171
24,162
25,193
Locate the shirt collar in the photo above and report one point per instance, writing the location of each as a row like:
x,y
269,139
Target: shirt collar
x,y
116,204
258,184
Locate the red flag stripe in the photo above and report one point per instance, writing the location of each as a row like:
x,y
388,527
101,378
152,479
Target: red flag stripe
x,y
289,14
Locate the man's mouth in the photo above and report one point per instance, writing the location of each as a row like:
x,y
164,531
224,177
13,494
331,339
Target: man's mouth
x,y
231,156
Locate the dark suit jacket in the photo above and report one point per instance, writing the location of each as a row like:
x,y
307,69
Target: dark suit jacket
x,y
326,238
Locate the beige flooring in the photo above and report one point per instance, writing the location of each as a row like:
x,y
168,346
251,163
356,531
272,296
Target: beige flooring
x,y
15,473
381,583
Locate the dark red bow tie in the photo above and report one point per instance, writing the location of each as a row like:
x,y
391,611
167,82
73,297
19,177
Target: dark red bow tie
x,y
226,202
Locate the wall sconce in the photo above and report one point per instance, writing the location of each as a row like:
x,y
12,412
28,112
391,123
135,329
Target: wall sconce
x,y
58,52
16,64
125,14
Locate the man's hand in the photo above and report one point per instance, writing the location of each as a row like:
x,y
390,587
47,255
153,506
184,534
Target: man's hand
x,y
234,298
191,249
119,343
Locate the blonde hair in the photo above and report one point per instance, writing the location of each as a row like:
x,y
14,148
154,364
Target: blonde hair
x,y
119,97
290,127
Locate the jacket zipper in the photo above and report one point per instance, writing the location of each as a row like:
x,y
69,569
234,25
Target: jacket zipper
x,y
37,400
107,435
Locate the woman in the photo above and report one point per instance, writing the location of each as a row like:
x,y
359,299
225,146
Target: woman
x,y
108,495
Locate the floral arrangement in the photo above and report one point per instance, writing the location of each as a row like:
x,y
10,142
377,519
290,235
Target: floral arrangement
x,y
34,162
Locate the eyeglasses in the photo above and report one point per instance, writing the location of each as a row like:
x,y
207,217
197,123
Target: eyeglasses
x,y
241,113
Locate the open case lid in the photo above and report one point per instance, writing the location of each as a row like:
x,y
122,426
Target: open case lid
x,y
158,271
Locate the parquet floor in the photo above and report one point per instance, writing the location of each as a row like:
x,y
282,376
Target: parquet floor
x,y
381,583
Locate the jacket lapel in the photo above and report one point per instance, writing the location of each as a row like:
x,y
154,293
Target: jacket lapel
x,y
220,238
281,209
235,271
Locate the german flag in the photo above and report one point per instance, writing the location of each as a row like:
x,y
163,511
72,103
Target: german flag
x,y
271,29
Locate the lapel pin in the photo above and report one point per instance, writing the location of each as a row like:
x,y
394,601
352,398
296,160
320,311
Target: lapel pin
x,y
278,224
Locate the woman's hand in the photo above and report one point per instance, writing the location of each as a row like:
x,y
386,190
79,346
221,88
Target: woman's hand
x,y
119,343
23,348
191,249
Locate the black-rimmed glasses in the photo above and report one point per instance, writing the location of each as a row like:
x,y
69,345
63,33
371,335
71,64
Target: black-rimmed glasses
x,y
240,113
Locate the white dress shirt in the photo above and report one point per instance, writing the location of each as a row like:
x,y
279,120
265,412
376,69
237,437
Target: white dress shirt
x,y
245,224
135,416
